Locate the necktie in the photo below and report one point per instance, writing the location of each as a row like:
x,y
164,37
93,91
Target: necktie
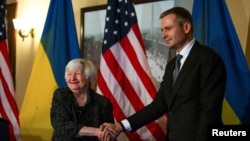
x,y
177,67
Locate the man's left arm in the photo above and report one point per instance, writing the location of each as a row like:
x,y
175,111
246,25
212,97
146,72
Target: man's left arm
x,y
213,83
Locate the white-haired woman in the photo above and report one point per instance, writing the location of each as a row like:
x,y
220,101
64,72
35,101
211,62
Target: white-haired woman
x,y
77,110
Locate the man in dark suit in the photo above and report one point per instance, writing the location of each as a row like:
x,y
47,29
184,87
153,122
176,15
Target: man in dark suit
x,y
194,101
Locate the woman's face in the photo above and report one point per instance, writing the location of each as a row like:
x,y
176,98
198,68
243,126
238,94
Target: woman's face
x,y
76,80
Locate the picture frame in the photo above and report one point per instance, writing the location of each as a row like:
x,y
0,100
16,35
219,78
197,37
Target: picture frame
x,y
148,12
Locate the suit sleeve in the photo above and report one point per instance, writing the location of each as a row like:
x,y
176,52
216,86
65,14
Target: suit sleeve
x,y
151,112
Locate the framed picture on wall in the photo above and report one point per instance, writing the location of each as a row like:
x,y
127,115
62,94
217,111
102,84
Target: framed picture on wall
x,y
148,12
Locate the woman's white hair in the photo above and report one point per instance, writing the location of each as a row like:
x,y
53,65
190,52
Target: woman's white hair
x,y
87,67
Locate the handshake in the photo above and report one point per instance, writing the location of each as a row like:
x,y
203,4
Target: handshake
x,y
109,131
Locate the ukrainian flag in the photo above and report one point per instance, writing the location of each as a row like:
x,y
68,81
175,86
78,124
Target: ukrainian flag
x,y
58,45
214,27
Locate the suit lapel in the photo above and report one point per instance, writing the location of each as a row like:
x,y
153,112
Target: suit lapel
x,y
185,70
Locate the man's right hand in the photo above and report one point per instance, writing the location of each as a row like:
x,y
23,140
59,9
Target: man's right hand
x,y
112,129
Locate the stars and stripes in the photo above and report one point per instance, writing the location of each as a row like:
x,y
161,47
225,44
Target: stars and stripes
x,y
8,107
124,75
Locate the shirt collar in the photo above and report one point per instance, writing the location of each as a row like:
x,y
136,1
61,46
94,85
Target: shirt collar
x,y
185,51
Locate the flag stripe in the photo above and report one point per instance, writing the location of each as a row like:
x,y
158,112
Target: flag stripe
x,y
124,84
132,48
8,107
60,52
222,37
129,68
8,101
8,98
117,110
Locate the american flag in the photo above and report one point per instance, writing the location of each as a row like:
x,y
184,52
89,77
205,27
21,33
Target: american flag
x,y
124,75
8,106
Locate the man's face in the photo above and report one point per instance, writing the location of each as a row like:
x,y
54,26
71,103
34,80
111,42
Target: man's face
x,y
174,34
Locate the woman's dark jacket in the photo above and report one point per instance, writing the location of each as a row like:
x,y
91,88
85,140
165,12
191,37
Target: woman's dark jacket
x,y
65,120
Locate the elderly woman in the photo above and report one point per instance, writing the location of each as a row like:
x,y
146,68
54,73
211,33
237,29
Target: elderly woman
x,y
77,110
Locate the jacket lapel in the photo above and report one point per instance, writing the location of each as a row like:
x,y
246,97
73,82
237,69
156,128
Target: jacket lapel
x,y
185,70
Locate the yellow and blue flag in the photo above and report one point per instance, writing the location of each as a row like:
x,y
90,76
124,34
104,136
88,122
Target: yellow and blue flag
x,y
214,27
58,45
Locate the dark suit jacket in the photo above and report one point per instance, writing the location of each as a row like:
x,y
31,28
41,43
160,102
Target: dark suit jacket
x,y
194,102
